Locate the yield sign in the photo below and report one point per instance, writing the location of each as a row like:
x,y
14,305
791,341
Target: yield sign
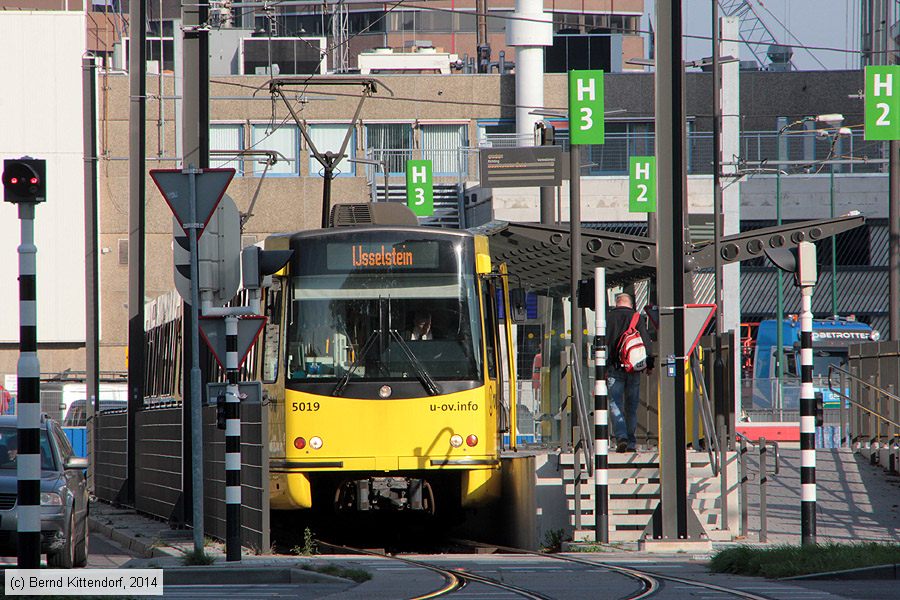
x,y
696,318
175,186
213,331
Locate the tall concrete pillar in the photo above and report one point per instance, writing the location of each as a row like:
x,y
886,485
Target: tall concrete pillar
x,y
529,31
731,193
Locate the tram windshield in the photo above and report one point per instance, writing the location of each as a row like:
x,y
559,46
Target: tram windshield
x,y
384,306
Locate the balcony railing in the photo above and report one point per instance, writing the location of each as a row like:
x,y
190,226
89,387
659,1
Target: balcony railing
x,y
852,154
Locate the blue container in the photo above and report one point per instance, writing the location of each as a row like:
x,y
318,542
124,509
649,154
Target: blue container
x,y
78,438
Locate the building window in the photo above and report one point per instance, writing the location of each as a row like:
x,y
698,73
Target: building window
x,y
328,137
441,144
390,142
226,138
496,133
282,140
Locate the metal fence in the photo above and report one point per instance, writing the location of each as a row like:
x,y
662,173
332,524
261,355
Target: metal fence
x,y
158,480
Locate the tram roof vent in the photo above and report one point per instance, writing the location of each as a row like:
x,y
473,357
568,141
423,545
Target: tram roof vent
x,y
371,213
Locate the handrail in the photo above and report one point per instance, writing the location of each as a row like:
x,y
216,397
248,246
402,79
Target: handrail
x,y
772,443
583,421
881,391
712,438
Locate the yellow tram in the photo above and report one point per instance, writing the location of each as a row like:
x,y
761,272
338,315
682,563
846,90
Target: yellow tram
x,y
384,370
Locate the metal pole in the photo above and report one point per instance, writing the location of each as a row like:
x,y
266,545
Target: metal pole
x,y
326,190
834,310
575,239
91,268
137,151
670,266
28,402
196,399
893,209
843,410
779,314
601,412
807,423
763,480
745,510
232,444
718,225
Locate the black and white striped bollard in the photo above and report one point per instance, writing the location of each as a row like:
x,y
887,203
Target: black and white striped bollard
x,y
807,423
805,278
28,402
232,444
601,412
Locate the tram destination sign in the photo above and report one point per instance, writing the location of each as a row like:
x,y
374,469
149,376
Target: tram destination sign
x,y
523,166
362,256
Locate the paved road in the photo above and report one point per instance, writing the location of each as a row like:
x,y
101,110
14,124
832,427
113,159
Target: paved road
x,y
106,554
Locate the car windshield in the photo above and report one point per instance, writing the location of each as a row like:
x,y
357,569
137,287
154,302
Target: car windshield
x,y
9,450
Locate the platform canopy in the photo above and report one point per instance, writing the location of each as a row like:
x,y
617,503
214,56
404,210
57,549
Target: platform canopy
x,y
539,259
538,256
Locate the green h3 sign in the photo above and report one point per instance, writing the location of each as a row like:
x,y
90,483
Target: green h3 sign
x,y
642,184
883,103
420,187
586,107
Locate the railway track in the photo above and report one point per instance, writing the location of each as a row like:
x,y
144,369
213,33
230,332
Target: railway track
x,y
456,579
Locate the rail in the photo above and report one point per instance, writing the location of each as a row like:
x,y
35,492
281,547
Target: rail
x,y
763,446
585,438
882,392
712,437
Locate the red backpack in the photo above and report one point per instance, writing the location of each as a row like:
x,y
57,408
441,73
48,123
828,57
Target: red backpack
x,y
631,350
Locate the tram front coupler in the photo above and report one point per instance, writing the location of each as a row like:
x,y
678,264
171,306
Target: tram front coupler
x,y
385,493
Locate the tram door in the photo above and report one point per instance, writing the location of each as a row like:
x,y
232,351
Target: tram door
x,y
500,367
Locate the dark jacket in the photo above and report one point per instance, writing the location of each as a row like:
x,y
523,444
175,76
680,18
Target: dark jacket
x,y
617,321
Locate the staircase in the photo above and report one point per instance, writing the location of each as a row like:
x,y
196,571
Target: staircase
x,y
447,203
634,493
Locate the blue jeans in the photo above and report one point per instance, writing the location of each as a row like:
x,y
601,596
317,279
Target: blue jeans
x,y
624,389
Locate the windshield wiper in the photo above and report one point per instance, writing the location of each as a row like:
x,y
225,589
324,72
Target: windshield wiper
x,y
345,379
427,381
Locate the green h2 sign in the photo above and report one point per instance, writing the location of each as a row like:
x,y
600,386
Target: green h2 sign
x,y
883,103
642,184
586,107
420,187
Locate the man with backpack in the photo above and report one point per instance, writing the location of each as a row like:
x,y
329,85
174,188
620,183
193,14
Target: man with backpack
x,y
627,357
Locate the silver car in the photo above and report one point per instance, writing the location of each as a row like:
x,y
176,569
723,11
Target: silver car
x,y
64,496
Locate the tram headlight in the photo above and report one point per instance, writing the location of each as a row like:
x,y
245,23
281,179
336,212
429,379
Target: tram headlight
x,y
472,440
315,442
299,443
456,440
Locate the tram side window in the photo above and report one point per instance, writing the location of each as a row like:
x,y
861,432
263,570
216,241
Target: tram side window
x,y
490,327
272,338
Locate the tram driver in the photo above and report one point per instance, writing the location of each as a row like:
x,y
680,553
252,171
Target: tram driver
x,y
421,326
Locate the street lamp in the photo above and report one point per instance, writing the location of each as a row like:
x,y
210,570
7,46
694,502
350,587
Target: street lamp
x,y
378,163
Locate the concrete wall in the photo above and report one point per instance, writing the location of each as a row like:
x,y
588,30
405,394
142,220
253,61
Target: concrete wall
x,y
40,116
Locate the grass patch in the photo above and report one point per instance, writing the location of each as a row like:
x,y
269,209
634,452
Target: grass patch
x,y
787,561
357,575
194,558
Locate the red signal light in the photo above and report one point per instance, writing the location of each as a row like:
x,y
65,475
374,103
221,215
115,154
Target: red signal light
x,y
33,181
14,180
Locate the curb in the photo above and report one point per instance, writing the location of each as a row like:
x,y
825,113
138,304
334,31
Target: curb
x,y
890,571
220,574
146,549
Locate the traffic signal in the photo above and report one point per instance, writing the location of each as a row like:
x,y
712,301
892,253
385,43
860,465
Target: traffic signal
x,y
24,180
257,264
